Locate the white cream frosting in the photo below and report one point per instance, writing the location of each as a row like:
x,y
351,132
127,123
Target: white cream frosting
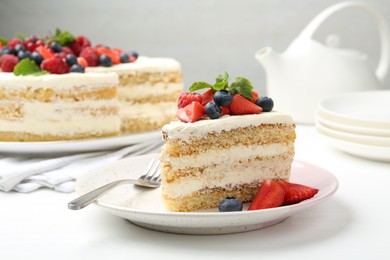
x,y
143,90
184,131
58,81
157,112
148,64
63,118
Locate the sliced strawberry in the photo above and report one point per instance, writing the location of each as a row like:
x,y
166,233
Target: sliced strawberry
x,y
242,106
225,111
255,96
270,195
296,193
46,53
191,112
207,96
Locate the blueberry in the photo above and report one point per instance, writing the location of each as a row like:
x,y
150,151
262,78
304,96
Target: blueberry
x,y
223,98
134,54
19,47
266,103
37,57
77,68
7,50
213,111
230,204
70,59
56,47
24,54
105,60
124,57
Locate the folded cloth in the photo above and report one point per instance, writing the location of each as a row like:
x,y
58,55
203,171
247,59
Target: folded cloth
x,y
26,174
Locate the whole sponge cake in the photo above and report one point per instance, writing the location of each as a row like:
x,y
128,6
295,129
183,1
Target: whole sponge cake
x,y
148,91
205,161
58,107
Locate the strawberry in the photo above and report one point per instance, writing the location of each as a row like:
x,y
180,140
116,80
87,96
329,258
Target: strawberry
x,y
241,106
8,62
207,96
255,96
13,42
55,65
225,111
91,56
113,54
81,61
191,112
186,98
46,53
270,195
295,193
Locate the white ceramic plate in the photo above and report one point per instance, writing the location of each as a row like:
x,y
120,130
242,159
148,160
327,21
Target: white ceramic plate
x,y
364,109
380,132
75,146
144,207
371,152
356,138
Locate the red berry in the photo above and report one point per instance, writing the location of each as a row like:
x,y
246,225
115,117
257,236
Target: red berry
x,y
91,56
295,193
55,65
242,106
81,61
186,98
270,195
8,62
191,112
83,41
207,96
79,43
46,53
13,41
255,96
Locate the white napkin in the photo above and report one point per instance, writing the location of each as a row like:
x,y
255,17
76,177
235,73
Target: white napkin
x,y
26,174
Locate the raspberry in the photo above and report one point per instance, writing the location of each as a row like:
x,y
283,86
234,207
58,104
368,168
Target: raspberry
x,y
8,62
13,41
91,56
55,65
79,44
187,98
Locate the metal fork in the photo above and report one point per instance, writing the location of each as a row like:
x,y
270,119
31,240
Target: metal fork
x,y
150,179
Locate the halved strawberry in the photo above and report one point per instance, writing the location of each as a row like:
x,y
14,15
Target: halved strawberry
x,y
295,193
207,97
270,195
45,52
225,111
255,96
191,112
241,106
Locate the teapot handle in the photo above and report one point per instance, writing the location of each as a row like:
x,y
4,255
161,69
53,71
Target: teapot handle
x,y
384,61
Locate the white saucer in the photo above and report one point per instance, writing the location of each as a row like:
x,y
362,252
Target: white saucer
x,y
144,207
380,132
370,109
355,138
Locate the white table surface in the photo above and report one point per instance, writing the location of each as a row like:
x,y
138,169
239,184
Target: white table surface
x,y
353,224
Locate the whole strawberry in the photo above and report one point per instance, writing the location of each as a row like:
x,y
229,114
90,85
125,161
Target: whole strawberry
x,y
55,65
91,56
8,62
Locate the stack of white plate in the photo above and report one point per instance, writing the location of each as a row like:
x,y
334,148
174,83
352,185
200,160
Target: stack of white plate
x,y
357,123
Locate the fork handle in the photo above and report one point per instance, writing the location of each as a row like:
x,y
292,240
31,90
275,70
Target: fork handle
x,y
93,195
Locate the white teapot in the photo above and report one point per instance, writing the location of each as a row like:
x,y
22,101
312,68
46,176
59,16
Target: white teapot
x,y
309,71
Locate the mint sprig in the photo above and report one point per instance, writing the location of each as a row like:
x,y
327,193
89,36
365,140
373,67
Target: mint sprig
x,y
63,38
28,67
239,86
4,41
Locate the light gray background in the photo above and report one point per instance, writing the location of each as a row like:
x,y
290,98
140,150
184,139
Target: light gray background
x,y
207,37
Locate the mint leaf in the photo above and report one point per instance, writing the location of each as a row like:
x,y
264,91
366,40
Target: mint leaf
x,y
199,85
241,86
21,36
4,41
27,67
63,38
221,82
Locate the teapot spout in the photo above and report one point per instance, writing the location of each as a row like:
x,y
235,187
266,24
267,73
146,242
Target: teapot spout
x,y
268,58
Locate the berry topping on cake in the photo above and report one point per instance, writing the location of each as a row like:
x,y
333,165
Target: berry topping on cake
x,y
223,98
187,98
43,50
8,62
230,204
266,103
191,112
